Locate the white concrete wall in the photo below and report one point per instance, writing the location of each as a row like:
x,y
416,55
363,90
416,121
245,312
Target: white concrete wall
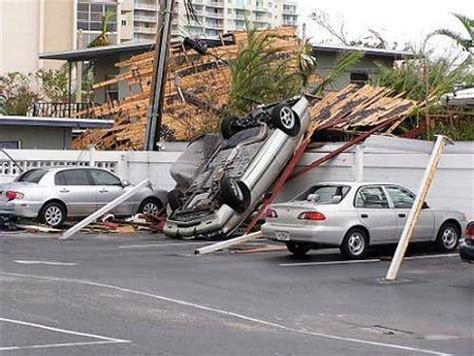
x,y
378,159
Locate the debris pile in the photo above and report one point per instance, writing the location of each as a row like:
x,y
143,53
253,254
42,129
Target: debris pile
x,y
196,92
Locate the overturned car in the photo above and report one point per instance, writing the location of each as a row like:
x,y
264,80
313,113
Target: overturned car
x,y
240,170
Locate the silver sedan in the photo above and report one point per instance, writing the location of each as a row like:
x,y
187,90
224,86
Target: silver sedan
x,y
353,216
53,194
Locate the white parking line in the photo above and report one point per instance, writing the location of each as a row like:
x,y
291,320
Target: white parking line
x,y
103,339
234,315
431,256
51,263
299,264
370,260
162,245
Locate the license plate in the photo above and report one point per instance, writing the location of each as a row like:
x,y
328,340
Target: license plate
x,y
282,235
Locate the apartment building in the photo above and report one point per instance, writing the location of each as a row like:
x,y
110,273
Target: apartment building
x,y
218,16
54,25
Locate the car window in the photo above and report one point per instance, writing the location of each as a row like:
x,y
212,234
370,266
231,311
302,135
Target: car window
x,y
32,176
401,198
104,178
72,177
325,194
371,197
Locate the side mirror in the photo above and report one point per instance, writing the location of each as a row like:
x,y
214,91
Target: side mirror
x,y
126,183
425,205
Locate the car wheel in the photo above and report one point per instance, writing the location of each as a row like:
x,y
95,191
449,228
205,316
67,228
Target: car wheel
x,y
297,249
53,214
285,119
175,199
150,206
227,129
448,237
235,194
355,244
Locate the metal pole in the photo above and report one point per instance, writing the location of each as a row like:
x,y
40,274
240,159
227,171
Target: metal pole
x,y
416,208
228,243
70,89
105,209
79,71
152,134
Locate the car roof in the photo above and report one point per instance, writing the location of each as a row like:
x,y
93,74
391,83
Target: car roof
x,y
358,184
62,168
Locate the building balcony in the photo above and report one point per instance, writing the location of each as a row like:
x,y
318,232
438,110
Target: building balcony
x,y
142,18
147,30
214,15
142,6
61,110
215,3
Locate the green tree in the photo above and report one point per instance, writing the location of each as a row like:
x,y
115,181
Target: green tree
x,y
260,75
463,40
18,93
103,38
53,84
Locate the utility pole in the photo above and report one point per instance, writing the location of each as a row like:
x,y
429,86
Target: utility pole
x,y
160,63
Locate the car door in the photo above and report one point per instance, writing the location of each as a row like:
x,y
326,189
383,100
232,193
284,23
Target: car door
x,y
375,213
402,200
108,187
74,187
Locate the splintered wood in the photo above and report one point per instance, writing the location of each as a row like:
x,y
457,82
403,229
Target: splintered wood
x,y
359,109
196,91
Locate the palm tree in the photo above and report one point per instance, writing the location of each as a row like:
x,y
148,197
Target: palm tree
x,y
465,42
103,38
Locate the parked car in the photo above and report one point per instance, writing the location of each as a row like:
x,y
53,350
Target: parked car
x,y
354,216
54,194
466,247
227,188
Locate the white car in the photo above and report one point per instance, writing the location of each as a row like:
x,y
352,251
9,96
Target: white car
x,y
53,194
354,216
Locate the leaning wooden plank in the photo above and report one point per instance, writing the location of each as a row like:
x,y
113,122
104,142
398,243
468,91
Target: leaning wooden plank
x,y
228,243
415,210
104,210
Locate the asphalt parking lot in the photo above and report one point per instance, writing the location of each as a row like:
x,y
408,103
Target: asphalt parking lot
x,y
144,294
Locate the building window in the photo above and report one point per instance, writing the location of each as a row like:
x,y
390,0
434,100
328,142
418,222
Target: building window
x,y
10,144
124,22
359,78
89,16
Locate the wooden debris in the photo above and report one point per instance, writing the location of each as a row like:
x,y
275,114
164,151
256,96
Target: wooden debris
x,y
204,80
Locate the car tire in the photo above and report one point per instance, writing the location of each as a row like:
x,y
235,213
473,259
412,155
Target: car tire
x,y
175,199
448,237
355,244
235,194
285,119
151,206
298,249
227,129
53,214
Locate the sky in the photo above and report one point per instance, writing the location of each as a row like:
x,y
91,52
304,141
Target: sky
x,y
400,20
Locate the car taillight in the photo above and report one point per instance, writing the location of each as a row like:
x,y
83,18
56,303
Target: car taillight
x,y
312,215
11,195
470,232
271,213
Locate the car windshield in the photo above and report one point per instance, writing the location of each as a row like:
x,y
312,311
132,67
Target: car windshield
x,y
32,176
324,194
